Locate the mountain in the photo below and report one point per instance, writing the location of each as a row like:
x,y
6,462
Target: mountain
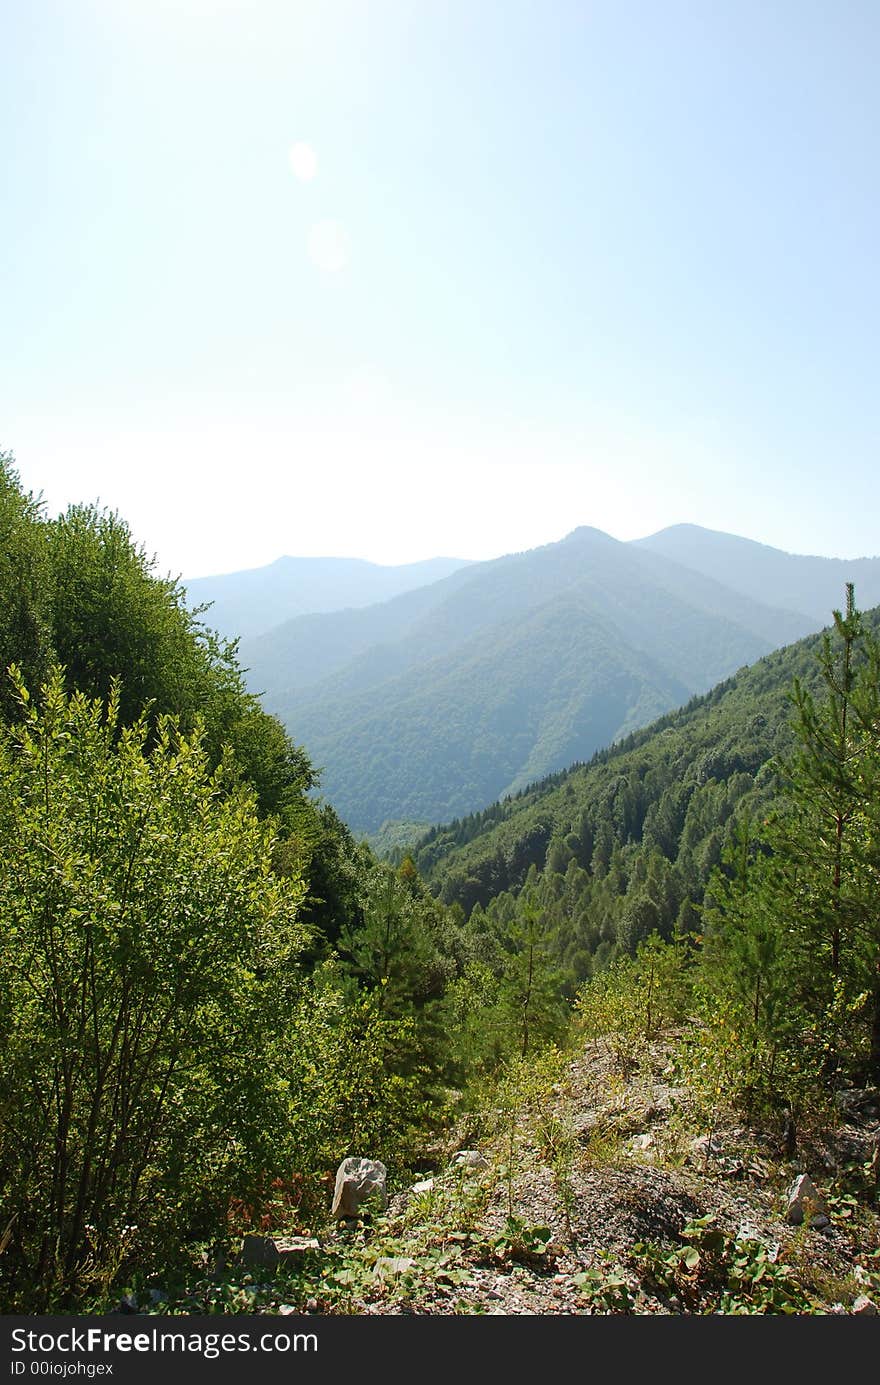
x,y
627,843
809,586
435,703
665,786
250,602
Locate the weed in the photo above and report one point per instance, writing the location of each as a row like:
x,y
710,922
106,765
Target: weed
x,y
606,1291
717,1273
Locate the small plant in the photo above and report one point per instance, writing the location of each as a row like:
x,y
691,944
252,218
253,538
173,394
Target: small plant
x,y
606,1291
717,1273
557,1145
521,1241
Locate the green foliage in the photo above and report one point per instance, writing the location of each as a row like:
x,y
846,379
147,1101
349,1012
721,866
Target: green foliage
x,y
519,1097
635,999
150,957
79,590
392,948
165,1060
111,618
628,843
606,1290
114,618
520,1240
357,1080
24,609
746,1053
529,992
713,1272
793,947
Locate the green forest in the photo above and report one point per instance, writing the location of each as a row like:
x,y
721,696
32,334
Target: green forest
x,y
212,993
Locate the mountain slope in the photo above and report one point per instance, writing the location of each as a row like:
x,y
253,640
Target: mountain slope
x,y
810,586
250,602
504,671
453,730
670,793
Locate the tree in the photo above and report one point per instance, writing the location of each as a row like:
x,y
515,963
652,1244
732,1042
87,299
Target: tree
x,y
389,948
748,978
824,837
805,908
24,611
531,985
115,619
149,969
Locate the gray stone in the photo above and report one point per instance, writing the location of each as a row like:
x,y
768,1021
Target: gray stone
x,y
290,1248
804,1201
259,1251
357,1180
426,1186
858,1103
268,1252
705,1145
469,1159
388,1266
865,1307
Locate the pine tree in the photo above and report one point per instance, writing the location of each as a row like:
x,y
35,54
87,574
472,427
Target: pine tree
x,y
826,837
794,916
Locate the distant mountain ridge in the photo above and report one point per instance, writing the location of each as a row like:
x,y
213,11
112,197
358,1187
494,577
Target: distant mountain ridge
x,y
440,700
809,586
248,603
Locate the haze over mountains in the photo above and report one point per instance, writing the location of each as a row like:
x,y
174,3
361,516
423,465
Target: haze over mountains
x,y
452,694
250,602
810,586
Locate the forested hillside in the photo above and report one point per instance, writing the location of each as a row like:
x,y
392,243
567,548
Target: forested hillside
x,y
625,845
440,701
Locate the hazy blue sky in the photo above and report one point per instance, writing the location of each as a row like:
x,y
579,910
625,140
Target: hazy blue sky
x,y
393,278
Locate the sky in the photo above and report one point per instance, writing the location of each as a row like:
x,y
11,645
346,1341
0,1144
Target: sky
x,y
394,279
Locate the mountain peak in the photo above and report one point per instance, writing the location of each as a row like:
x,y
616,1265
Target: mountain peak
x,y
587,533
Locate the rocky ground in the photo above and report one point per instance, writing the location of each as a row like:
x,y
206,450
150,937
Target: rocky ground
x,y
596,1192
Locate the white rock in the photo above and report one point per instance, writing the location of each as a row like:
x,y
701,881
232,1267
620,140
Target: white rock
x,y
804,1200
705,1145
470,1159
865,1307
390,1265
357,1180
426,1186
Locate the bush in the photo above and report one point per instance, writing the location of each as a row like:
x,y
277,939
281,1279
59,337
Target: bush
x,y
150,962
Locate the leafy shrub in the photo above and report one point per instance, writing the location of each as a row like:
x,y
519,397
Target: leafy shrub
x,y
150,960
